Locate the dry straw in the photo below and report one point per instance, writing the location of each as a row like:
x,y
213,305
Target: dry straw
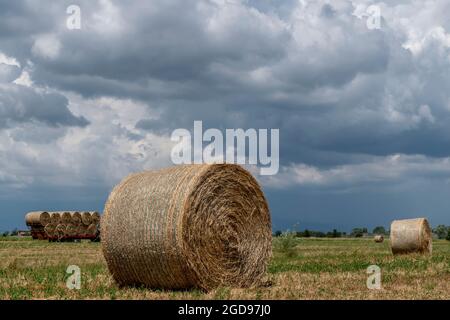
x,y
86,218
50,229
379,238
95,217
187,226
37,218
60,230
66,217
71,230
76,218
92,229
411,236
55,218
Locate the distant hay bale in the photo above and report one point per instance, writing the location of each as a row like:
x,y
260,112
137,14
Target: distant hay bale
x,y
76,218
86,218
60,230
92,230
50,230
379,238
411,236
187,226
71,230
37,218
66,217
95,217
55,218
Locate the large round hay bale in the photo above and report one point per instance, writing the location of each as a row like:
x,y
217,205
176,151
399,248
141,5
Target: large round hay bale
x,y
55,218
411,236
86,218
37,218
187,226
378,238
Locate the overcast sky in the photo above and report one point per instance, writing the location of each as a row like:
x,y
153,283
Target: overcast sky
x,y
363,113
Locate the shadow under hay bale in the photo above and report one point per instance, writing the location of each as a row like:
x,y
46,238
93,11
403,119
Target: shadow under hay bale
x,y
411,236
187,226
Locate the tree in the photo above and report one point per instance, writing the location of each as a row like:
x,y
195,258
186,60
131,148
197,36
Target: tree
x,y
441,231
448,235
277,233
358,232
307,234
379,230
5,234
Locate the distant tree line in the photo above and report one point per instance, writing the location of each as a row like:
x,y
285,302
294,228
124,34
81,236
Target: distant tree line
x,y
10,233
442,232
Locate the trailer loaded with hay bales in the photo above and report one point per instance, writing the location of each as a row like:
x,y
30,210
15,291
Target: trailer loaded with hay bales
x,y
64,225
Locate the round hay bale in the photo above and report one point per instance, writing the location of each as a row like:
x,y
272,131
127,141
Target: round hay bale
x,y
379,238
37,218
60,230
71,230
187,226
86,218
82,230
92,229
55,218
66,218
50,230
411,236
76,218
95,217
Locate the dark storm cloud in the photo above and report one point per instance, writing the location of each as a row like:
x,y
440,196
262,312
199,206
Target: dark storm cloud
x,y
344,97
19,104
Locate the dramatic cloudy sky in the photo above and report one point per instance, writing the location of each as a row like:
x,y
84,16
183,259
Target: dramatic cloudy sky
x,y
363,113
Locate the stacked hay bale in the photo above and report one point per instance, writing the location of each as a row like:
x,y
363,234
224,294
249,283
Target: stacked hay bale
x,y
37,220
68,225
379,238
187,226
411,236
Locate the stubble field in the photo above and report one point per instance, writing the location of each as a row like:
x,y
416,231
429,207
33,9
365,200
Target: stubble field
x,y
307,269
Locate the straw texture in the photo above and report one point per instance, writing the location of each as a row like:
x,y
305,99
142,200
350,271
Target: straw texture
x,y
66,217
37,218
76,218
187,226
86,218
95,217
411,236
379,238
55,218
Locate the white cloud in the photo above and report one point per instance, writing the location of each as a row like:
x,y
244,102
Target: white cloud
x,y
47,46
387,171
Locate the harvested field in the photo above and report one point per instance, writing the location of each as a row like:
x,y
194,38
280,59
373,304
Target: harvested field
x,y
317,269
